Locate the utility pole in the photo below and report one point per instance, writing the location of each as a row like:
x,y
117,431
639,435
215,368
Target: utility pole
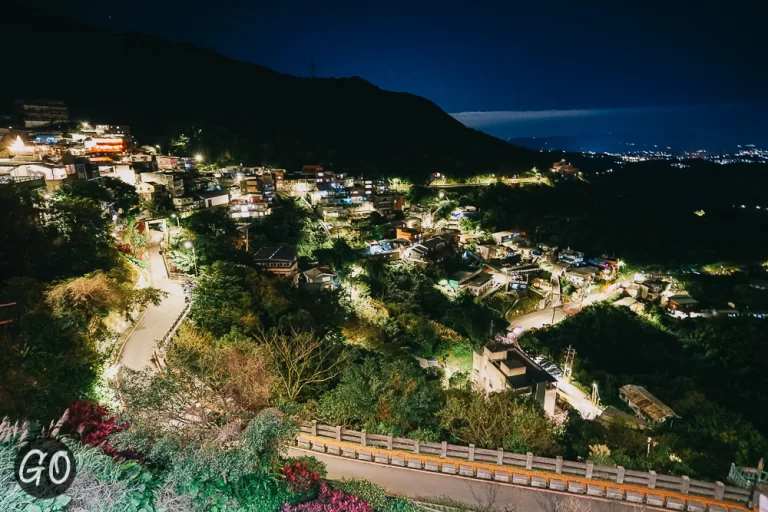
x,y
570,356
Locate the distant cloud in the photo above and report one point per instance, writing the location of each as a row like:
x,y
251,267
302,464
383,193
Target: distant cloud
x,y
492,118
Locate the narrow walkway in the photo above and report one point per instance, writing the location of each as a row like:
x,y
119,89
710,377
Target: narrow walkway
x,y
158,320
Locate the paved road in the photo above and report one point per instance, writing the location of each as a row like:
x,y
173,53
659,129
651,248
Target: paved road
x,y
422,484
137,352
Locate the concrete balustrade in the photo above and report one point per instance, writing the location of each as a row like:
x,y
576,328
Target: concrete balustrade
x,y
648,488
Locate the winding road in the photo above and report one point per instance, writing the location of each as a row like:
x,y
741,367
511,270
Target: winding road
x,y
157,320
491,495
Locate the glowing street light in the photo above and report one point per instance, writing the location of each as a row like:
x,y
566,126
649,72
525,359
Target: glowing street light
x,y
178,222
441,194
189,245
198,158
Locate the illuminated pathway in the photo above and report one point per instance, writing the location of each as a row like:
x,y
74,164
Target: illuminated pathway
x,y
157,320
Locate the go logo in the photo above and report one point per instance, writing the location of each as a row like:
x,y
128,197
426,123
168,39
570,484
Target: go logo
x,y
45,468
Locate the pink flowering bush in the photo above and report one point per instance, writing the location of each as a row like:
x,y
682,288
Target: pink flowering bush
x,y
329,500
299,477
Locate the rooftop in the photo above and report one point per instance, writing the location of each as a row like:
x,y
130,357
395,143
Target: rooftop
x,y
683,299
584,271
479,279
650,406
275,253
317,272
516,359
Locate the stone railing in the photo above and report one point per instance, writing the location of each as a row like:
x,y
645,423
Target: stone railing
x,y
673,492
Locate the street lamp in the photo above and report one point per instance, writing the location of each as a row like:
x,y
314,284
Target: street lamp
x,y
198,158
190,245
441,194
178,222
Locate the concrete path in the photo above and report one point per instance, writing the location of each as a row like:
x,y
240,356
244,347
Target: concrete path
x,y
157,320
494,496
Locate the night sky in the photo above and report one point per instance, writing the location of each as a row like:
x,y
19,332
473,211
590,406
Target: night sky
x,y
563,65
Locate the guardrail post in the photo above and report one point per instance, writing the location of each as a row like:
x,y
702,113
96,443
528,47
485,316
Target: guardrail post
x,y
338,432
444,450
416,446
389,441
651,479
529,460
363,438
620,475
500,457
719,490
559,465
314,427
590,469
471,456
686,485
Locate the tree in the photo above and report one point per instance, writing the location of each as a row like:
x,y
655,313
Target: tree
x,y
91,297
220,301
21,228
302,360
80,235
499,420
107,191
384,396
216,237
232,365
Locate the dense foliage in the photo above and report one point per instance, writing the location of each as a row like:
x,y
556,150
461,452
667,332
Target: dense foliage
x,y
58,264
384,397
699,367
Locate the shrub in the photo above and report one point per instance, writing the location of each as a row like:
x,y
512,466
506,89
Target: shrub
x,y
329,500
312,464
300,477
92,424
374,494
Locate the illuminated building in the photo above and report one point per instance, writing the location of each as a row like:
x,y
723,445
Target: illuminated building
x,y
41,112
104,145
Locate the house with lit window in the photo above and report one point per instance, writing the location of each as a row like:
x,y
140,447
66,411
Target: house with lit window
x,y
319,278
580,276
431,251
278,260
570,257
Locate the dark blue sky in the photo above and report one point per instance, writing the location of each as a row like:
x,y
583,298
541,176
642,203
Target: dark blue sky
x,y
484,56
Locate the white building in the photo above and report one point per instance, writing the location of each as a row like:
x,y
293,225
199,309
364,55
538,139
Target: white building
x,y
580,276
502,367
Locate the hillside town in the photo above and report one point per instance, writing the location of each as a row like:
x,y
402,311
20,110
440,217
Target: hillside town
x,y
434,281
